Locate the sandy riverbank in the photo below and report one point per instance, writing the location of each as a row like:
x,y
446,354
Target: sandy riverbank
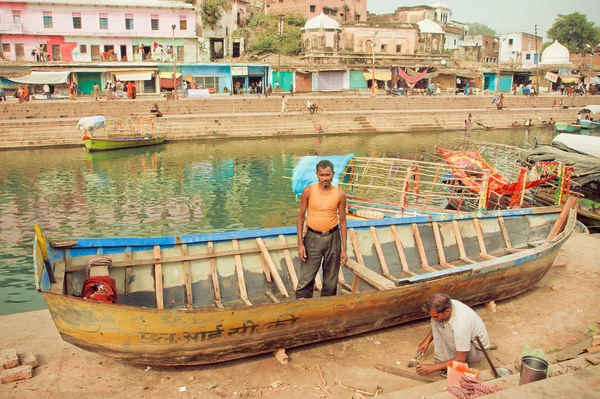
x,y
554,314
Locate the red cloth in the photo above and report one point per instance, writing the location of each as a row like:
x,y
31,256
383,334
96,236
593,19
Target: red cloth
x,y
100,288
471,388
411,79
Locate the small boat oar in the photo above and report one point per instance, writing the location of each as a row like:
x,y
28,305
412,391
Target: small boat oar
x,y
42,244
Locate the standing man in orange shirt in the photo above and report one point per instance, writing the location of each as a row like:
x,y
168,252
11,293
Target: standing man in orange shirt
x,y
325,239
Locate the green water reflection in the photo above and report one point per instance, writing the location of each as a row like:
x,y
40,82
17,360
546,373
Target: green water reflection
x,y
178,188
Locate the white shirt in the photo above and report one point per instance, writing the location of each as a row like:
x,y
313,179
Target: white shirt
x,y
46,88
467,325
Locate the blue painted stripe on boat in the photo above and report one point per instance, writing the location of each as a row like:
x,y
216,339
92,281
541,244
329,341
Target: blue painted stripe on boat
x,y
170,241
507,260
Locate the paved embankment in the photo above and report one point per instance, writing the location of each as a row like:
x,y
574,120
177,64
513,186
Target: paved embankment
x,y
53,123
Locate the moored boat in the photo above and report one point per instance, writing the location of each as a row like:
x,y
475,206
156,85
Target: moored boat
x,y
121,133
589,124
209,298
563,127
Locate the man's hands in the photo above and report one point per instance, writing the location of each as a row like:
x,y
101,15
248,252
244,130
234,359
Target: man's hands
x,y
423,346
343,258
430,368
302,251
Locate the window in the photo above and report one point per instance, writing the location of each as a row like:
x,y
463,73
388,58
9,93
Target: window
x,y
16,16
47,20
398,48
313,8
129,21
384,48
329,11
510,42
180,53
76,20
6,47
103,20
527,56
83,48
183,22
207,82
357,17
154,22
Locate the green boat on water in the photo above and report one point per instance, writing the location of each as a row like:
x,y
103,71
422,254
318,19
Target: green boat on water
x,y
588,124
563,127
117,143
128,132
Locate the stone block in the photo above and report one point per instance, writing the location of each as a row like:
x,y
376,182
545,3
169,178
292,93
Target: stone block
x,y
16,374
28,359
9,358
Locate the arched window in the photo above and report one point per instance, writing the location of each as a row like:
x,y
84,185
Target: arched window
x,y
435,16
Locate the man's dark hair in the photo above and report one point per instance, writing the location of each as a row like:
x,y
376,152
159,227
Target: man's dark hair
x,y
324,164
438,302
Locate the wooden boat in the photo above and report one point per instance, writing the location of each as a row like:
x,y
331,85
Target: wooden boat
x,y
209,298
122,133
471,173
563,127
118,143
588,124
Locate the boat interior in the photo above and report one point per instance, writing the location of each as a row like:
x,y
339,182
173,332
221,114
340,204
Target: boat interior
x,y
246,268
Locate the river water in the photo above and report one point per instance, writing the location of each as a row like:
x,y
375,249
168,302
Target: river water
x,y
173,189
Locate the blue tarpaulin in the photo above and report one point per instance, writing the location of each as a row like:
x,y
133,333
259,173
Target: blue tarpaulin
x,y
305,171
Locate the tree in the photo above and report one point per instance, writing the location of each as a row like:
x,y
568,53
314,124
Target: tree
x,y
264,37
476,28
574,31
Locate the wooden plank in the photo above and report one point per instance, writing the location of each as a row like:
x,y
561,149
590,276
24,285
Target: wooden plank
x,y
358,254
281,356
403,373
562,218
174,259
369,276
214,276
439,245
239,271
460,243
479,232
68,275
514,250
158,279
272,268
272,296
400,250
318,282
504,231
421,249
59,274
379,250
187,279
128,270
288,262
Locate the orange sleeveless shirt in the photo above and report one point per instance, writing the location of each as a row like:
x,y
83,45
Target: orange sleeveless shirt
x,y
323,208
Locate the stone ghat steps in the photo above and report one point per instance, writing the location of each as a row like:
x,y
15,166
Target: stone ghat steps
x,y
40,110
290,125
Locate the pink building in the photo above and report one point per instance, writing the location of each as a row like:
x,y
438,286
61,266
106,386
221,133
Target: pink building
x,y
340,10
92,30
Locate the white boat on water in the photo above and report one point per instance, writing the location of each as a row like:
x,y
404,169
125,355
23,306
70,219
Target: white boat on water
x,y
588,145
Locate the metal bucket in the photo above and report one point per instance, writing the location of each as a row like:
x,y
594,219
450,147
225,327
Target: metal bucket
x,y
532,369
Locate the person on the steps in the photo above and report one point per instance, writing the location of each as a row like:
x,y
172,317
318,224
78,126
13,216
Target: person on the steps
x,y
325,239
454,327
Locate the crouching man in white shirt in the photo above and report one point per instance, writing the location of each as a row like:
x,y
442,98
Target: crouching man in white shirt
x,y
454,327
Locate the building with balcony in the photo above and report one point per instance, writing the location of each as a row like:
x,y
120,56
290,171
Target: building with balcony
x,y
340,10
90,30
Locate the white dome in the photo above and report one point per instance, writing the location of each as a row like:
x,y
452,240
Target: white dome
x,y
428,26
441,5
322,21
555,53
